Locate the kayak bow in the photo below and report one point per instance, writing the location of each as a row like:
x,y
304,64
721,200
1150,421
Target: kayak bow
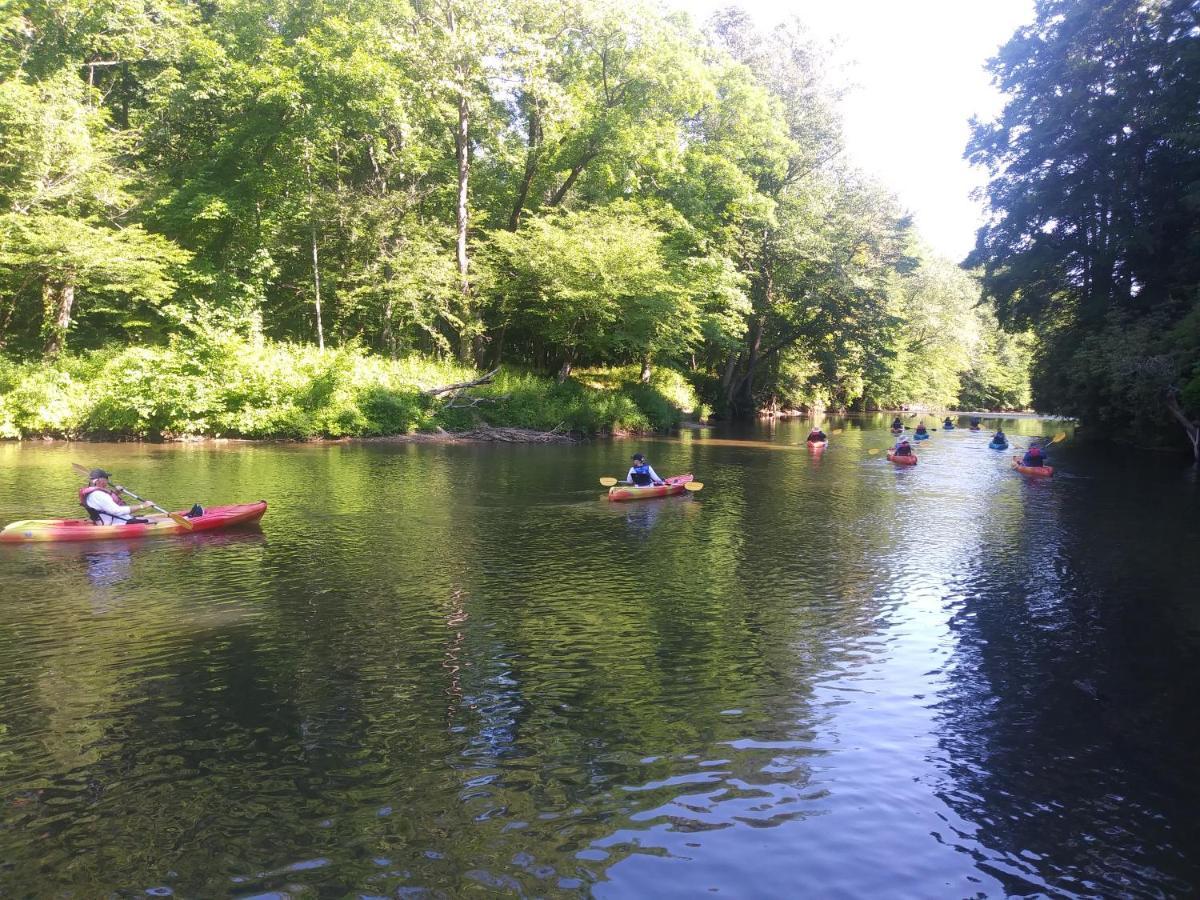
x,y
54,530
902,460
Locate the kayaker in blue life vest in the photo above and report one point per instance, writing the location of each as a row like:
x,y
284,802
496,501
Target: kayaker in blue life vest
x,y
999,438
103,502
897,425
921,429
948,423
641,473
1034,456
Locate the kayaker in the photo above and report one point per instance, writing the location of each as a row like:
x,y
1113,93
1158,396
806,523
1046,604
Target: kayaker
x,y
816,435
902,448
641,473
921,429
897,425
1034,456
1000,438
103,502
948,423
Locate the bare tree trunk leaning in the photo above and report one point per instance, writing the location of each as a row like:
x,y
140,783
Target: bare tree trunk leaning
x,y
316,266
1192,429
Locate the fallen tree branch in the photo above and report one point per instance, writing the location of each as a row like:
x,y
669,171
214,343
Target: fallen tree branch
x,y
453,404
462,385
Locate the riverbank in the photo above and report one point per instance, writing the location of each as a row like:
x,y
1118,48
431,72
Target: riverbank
x,y
276,391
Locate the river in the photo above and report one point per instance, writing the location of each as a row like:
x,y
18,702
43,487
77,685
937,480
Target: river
x,y
445,669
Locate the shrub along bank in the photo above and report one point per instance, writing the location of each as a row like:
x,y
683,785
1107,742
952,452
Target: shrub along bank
x,y
244,389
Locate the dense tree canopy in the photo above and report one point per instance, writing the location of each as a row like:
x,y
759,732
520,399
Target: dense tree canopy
x,y
546,183
1094,239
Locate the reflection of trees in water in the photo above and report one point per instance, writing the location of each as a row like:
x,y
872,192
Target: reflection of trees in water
x,y
1068,726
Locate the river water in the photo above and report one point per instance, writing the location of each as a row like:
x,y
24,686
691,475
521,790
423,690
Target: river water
x,y
439,670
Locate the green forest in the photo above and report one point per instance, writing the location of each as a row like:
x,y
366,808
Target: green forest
x,y
288,217
1094,238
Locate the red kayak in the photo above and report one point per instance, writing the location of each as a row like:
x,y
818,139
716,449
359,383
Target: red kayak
x,y
214,518
910,460
817,445
673,485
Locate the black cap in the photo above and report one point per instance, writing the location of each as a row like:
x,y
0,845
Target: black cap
x,y
638,456
98,473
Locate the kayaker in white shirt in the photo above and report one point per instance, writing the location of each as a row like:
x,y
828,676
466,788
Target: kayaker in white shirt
x,y
103,502
641,473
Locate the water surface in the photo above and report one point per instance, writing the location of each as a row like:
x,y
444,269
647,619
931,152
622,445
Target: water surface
x,y
453,669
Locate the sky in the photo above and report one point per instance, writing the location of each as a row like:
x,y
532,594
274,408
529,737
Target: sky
x,y
916,70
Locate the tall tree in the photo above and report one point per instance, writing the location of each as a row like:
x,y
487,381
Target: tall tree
x,y
1095,180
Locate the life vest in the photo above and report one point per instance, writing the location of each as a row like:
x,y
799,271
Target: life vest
x,y
641,475
83,495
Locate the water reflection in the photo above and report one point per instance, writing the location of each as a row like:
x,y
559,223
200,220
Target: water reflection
x,y
829,673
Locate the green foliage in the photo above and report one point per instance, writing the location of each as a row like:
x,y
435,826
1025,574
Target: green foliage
x,y
1094,241
228,387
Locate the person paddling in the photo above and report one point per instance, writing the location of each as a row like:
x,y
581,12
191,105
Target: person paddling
x,y
817,436
921,429
897,425
948,423
1000,438
902,448
103,502
1035,456
641,473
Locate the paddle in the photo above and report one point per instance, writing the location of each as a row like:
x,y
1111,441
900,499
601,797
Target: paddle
x,y
174,517
609,481
1061,436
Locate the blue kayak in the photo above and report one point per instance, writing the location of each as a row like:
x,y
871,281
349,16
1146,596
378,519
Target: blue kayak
x,y
996,446
920,437
947,428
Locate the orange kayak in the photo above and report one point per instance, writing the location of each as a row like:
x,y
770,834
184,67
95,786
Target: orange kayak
x,y
1039,471
673,485
215,517
902,460
817,445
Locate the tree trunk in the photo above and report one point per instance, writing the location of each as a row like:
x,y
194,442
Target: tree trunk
x,y
645,378
565,372
1192,429
532,156
58,299
498,346
316,266
462,136
740,395
572,177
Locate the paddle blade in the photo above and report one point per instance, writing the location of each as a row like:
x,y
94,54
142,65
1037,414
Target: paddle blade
x,y
837,431
81,469
1061,436
180,520
694,486
608,481
873,451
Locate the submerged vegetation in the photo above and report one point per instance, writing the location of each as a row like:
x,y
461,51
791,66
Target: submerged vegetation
x,y
539,184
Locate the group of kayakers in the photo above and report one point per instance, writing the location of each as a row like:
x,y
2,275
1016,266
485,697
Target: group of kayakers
x,y
1035,455
105,506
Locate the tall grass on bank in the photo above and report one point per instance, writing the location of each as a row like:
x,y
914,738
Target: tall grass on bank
x,y
236,388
